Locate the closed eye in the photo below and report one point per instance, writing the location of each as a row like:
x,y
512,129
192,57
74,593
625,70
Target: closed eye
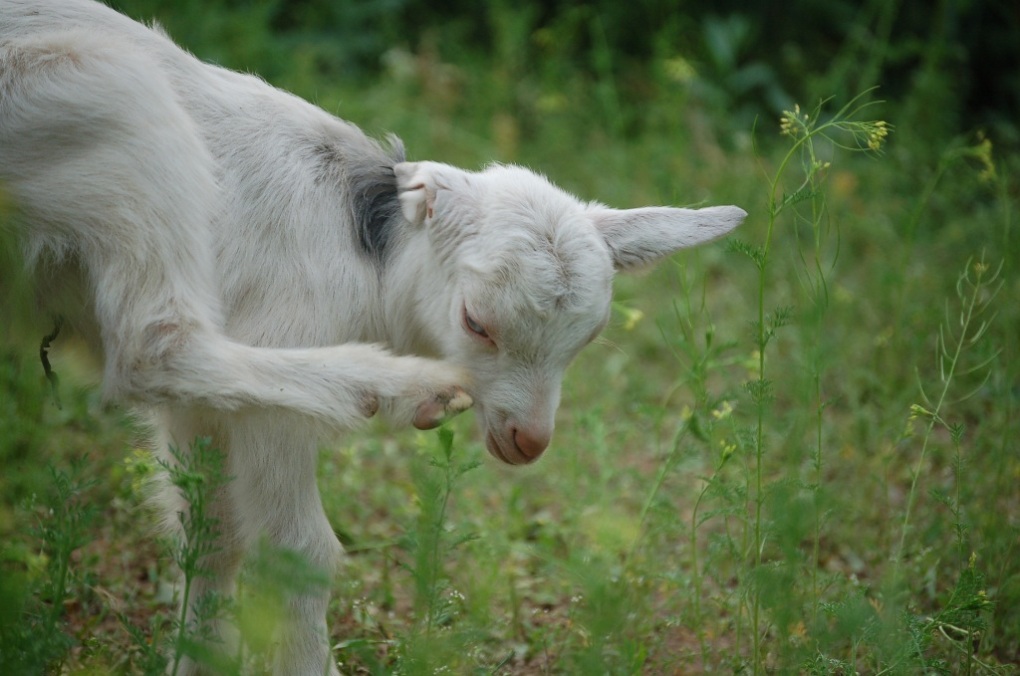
x,y
475,328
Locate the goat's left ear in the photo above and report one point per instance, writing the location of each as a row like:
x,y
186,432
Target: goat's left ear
x,y
639,237
416,190
431,189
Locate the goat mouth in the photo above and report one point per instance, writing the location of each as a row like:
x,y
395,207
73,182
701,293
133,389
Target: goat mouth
x,y
497,450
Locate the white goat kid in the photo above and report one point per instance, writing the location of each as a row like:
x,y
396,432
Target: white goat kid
x,y
236,256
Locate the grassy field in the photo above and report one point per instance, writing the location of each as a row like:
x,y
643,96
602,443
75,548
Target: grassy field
x,y
795,451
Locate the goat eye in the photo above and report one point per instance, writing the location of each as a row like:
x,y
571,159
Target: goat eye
x,y
474,326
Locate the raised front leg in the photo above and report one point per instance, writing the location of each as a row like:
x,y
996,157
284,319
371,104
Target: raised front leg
x,y
108,169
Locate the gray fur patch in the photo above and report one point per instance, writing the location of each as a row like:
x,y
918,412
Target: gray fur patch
x,y
367,170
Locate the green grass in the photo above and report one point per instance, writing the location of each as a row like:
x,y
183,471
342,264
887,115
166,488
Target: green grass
x,y
795,451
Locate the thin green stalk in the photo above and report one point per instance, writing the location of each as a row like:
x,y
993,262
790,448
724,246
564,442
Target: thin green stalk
x,y
948,365
434,563
820,294
182,622
695,380
189,560
817,461
695,563
696,572
759,444
60,588
430,543
660,478
803,128
759,452
197,473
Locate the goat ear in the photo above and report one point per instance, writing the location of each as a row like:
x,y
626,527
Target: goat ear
x,y
640,237
441,197
416,189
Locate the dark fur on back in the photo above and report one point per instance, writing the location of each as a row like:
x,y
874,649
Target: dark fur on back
x,y
367,171
376,204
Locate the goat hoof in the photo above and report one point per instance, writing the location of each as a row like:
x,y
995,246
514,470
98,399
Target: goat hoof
x,y
443,405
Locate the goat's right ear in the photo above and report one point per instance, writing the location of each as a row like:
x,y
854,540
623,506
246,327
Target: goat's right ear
x,y
640,237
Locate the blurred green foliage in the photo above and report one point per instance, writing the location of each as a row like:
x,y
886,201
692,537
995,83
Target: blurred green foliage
x,y
738,59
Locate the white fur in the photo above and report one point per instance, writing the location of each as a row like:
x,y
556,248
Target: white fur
x,y
202,225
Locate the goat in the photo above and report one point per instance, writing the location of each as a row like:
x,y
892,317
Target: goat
x,y
244,263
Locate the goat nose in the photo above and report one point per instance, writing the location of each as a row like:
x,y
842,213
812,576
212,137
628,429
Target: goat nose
x,y
530,443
